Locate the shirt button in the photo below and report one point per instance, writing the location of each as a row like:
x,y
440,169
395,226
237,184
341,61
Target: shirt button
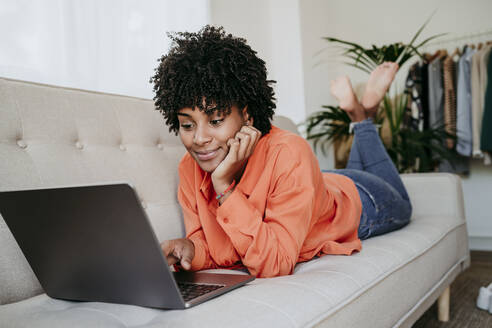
x,y
122,147
79,145
160,146
226,220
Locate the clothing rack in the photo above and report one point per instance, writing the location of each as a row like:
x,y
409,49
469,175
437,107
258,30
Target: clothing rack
x,y
456,41
442,71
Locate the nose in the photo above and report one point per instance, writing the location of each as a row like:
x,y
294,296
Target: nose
x,y
202,135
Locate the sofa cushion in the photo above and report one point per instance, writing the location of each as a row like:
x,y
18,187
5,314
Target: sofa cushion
x,y
395,270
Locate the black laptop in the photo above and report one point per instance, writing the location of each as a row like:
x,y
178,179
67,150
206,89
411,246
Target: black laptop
x,y
95,243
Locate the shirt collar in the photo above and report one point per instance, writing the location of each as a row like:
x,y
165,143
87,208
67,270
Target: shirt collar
x,y
206,183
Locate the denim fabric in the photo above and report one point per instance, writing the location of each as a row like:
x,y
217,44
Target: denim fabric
x,y
385,202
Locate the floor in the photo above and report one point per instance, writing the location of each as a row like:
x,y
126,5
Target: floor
x,y
464,291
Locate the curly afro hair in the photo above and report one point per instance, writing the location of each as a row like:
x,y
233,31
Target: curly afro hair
x,y
212,70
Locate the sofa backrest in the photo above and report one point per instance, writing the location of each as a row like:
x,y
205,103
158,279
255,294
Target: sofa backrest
x,y
54,136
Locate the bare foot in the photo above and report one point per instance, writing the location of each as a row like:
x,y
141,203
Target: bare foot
x,y
341,89
379,82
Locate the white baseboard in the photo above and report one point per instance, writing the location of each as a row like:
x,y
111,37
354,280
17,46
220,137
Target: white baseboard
x,y
480,243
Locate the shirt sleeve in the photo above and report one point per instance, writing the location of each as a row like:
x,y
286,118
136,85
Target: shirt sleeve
x,y
202,259
269,243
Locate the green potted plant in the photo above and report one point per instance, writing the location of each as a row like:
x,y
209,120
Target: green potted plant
x,y
411,150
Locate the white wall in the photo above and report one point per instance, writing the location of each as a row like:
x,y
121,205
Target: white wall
x,y
109,45
270,27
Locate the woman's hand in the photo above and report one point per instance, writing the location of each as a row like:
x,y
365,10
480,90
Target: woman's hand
x,y
179,250
241,147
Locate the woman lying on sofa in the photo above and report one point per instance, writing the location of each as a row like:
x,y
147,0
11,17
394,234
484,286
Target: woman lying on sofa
x,y
253,195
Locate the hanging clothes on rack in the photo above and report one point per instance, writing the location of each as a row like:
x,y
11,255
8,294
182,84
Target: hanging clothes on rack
x,y
486,137
464,132
460,165
483,63
449,77
435,93
478,69
436,99
416,86
456,97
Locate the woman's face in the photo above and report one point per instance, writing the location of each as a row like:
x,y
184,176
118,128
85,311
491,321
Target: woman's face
x,y
205,135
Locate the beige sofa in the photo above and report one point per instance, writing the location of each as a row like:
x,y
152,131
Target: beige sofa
x,y
52,136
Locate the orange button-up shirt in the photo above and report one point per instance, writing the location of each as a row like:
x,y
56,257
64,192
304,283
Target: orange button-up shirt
x,y
284,210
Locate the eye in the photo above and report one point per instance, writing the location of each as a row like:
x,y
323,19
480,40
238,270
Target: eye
x,y
216,122
186,126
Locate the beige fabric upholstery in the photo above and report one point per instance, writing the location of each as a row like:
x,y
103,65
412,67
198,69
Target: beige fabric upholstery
x,y
51,136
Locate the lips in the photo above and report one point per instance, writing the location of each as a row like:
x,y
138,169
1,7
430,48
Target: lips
x,y
206,155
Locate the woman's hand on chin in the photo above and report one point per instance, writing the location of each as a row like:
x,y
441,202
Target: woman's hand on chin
x,y
241,147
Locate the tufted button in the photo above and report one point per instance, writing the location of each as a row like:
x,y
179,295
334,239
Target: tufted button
x,y
160,146
21,143
226,220
79,145
122,147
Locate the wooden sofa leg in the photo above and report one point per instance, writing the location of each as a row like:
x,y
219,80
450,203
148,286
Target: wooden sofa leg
x,y
443,305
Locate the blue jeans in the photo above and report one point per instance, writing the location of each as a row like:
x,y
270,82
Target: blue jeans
x,y
385,203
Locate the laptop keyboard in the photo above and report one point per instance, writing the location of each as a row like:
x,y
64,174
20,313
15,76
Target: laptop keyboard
x,y
190,291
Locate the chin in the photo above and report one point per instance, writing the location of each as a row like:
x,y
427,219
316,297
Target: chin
x,y
208,166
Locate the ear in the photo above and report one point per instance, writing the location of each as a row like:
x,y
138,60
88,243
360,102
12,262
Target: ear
x,y
246,117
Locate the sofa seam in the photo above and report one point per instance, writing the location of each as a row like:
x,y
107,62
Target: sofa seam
x,y
74,89
302,286
294,322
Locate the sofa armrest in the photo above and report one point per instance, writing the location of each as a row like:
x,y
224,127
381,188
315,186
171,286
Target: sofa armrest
x,y
435,194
